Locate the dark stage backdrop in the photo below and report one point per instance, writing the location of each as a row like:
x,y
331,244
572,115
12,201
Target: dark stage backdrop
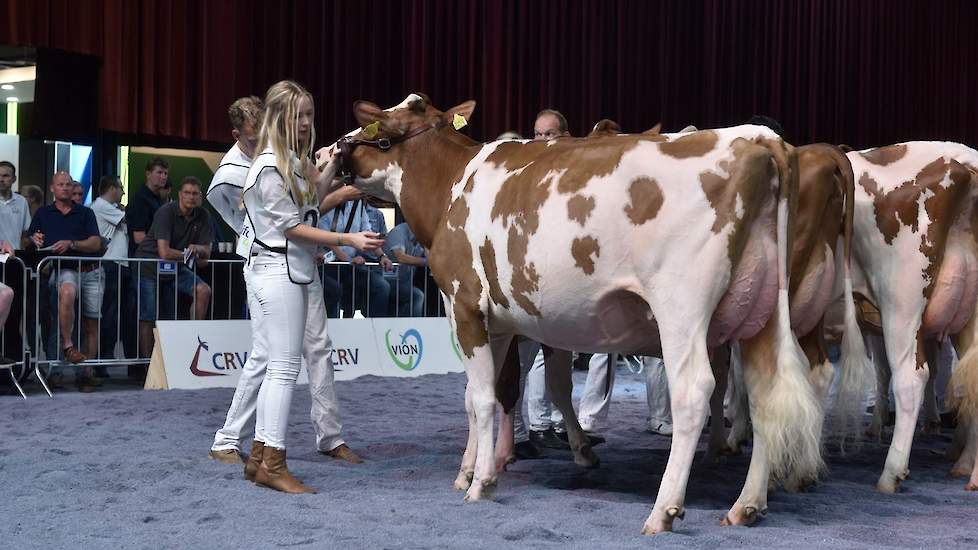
x,y
864,72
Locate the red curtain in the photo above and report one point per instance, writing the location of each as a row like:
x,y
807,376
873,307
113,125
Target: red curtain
x,y
864,73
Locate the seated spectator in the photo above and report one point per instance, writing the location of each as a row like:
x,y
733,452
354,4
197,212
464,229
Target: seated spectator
x,y
77,194
180,230
34,196
15,215
6,298
111,220
65,228
363,288
403,247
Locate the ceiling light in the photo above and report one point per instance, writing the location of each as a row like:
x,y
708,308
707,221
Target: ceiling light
x,y
7,87
12,99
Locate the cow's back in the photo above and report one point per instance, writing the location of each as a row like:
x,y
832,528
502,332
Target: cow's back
x,y
567,227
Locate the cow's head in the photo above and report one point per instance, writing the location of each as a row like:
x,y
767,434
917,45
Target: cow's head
x,y
387,137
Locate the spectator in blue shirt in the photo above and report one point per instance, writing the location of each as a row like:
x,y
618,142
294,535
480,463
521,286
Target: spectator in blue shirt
x,y
363,288
65,228
403,247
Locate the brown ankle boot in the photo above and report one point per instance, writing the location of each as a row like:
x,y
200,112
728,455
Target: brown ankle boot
x,y
254,460
274,473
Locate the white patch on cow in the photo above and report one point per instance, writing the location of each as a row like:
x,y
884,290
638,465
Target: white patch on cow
x,y
383,183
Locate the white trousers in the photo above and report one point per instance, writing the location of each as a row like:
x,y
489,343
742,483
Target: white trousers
x,y
316,348
657,392
595,401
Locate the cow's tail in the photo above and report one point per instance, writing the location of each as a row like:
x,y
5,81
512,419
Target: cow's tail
x,y
856,371
789,418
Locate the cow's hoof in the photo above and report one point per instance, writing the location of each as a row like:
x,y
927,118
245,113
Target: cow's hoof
x,y
958,472
586,458
741,515
971,486
463,481
503,461
654,525
480,490
798,485
891,484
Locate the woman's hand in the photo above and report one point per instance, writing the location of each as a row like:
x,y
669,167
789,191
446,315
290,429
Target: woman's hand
x,y
365,241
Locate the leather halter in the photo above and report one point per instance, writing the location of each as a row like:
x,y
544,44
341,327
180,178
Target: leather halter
x,y
348,144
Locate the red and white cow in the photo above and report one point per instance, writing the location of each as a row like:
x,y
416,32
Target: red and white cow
x,y
617,244
916,262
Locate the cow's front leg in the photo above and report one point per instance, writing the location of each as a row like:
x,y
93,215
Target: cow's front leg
x,y
557,368
691,383
467,470
481,370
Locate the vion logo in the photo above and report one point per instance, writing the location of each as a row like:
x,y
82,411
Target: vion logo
x,y
406,354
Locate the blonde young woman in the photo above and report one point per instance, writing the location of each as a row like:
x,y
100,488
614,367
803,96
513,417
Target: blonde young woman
x,y
281,212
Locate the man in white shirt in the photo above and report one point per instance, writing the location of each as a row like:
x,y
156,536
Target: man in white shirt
x,y
15,216
111,218
224,193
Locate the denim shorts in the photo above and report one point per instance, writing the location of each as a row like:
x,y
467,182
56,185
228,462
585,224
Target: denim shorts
x,y
89,287
185,281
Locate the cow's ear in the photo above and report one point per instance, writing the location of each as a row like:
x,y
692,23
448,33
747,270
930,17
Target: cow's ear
x,y
463,110
366,113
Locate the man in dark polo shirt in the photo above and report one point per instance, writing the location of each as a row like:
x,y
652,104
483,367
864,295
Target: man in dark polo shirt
x,y
144,204
69,229
181,235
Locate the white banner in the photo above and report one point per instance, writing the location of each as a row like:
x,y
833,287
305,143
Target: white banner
x,y
211,354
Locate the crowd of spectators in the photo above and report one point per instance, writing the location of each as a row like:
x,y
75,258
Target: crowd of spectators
x,y
146,258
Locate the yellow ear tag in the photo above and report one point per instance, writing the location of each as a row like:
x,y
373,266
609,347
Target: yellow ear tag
x,y
459,122
371,129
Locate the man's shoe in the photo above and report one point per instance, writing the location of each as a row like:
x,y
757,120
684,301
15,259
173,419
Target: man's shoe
x,y
592,439
86,384
661,429
254,460
56,381
526,450
226,456
73,356
344,453
548,439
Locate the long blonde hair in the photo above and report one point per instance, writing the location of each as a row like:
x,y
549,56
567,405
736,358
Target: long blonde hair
x,y
278,131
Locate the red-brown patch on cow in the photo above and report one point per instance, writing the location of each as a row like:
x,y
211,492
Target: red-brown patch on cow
x,y
645,200
691,145
469,184
595,161
458,213
579,208
488,254
901,208
818,222
881,156
582,249
526,280
942,208
750,165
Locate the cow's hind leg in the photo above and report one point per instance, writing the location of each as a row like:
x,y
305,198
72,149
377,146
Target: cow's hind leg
x,y
691,383
739,410
910,373
932,416
881,409
557,365
720,361
786,415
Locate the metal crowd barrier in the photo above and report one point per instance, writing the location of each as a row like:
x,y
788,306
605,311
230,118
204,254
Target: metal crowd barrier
x,y
348,289
15,274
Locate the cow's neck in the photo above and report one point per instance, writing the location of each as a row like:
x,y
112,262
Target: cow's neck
x,y
433,163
